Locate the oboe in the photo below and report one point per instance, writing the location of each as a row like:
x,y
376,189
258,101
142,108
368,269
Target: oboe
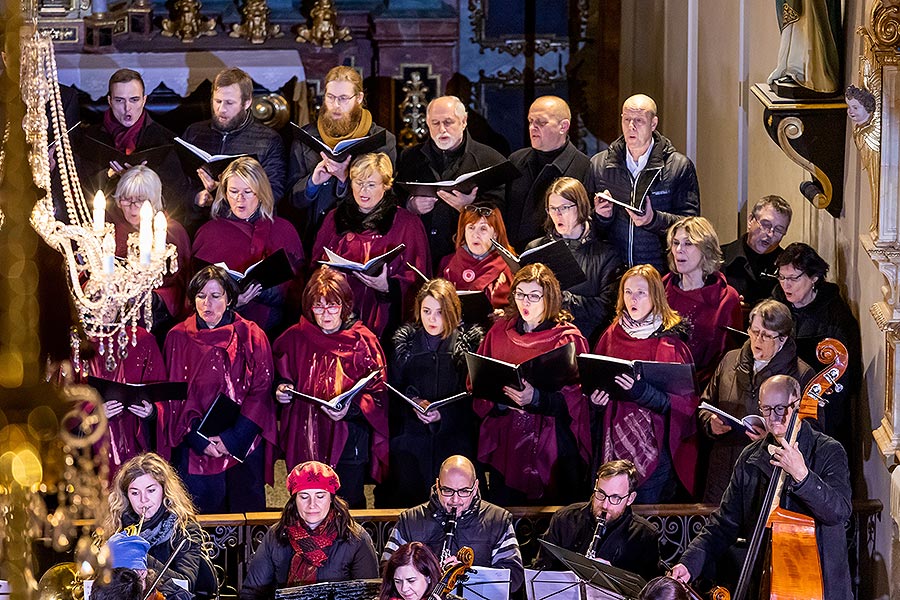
x,y
599,530
449,534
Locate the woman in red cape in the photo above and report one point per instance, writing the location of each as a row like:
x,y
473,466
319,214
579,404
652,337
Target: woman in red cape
x,y
138,185
698,291
218,352
535,453
654,430
130,430
476,265
242,232
368,226
323,355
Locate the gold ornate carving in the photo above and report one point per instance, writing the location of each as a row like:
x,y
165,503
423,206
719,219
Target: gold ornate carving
x,y
254,25
325,31
886,24
187,22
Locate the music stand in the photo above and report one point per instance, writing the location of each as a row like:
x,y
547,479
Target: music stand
x,y
558,585
485,583
620,582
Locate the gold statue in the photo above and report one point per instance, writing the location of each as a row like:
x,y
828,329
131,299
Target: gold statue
x,y
188,24
255,25
324,31
864,110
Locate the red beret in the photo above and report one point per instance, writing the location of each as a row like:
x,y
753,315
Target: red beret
x,y
313,475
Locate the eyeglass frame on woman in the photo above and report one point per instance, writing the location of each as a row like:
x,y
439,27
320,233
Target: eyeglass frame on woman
x,y
482,211
795,278
331,309
366,186
763,336
779,410
614,499
123,202
559,210
448,492
533,297
242,194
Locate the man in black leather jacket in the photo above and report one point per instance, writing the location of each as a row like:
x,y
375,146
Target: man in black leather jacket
x,y
643,170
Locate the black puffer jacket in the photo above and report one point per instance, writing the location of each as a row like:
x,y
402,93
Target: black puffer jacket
x,y
754,282
630,542
734,388
824,495
671,182
592,302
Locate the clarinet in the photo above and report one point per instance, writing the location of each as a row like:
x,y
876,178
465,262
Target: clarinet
x,y
449,534
599,530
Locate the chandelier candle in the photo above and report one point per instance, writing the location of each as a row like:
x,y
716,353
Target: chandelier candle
x,y
99,213
109,254
159,233
145,241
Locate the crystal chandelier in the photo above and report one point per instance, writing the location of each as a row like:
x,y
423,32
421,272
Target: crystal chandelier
x,y
111,293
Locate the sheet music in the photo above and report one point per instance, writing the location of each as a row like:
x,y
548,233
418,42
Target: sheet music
x,y
486,583
555,585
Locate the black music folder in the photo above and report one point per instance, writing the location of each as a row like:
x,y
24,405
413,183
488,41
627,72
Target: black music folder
x,y
371,267
198,158
358,589
344,148
337,403
554,255
271,271
550,371
597,372
484,179
426,406
475,305
154,157
221,416
133,394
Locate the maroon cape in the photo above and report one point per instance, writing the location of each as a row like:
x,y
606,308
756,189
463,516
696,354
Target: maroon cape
x,y
709,310
682,419
490,274
128,434
324,365
235,359
522,445
240,244
172,291
373,307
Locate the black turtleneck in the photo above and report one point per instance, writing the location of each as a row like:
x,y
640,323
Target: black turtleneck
x,y
540,158
446,159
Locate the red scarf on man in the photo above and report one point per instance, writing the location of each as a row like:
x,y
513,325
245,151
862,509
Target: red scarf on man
x,y
309,549
124,138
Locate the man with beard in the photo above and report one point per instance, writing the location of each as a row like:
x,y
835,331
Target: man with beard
x,y
317,182
749,262
232,131
550,156
621,538
128,129
449,153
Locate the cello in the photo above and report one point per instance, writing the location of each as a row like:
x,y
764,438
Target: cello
x,y
794,569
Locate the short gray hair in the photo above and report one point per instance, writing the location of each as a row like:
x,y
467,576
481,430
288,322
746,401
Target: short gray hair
x,y
459,109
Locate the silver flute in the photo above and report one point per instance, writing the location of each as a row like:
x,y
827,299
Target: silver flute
x,y
449,534
599,530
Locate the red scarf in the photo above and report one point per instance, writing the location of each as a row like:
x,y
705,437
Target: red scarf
x,y
309,549
124,138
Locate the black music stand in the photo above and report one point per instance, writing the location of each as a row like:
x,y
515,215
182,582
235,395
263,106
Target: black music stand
x,y
619,582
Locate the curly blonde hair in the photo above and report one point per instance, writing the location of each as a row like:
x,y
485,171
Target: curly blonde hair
x,y
175,497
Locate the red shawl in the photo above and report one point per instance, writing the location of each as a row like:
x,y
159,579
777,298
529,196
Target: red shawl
x,y
235,359
682,428
240,244
521,445
490,274
172,291
124,138
373,307
127,433
315,361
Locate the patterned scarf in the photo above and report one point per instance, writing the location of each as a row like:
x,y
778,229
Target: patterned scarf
x,y
309,549
642,329
124,138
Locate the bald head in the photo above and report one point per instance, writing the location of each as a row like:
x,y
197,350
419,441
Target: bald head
x,y
780,387
457,478
640,102
446,117
549,119
638,124
457,464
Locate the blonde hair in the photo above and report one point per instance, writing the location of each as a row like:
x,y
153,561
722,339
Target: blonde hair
x,y
253,174
141,183
544,277
657,292
445,293
702,234
366,165
342,73
176,499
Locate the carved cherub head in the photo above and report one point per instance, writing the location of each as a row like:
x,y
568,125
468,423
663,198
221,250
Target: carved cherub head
x,y
860,104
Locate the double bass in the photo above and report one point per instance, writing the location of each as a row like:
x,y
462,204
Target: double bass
x,y
793,567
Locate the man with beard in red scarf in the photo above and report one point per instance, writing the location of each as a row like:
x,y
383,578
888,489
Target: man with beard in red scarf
x,y
128,129
317,182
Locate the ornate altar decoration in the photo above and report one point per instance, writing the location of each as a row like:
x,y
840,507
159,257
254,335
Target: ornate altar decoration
x,y
412,112
325,31
187,22
110,293
254,25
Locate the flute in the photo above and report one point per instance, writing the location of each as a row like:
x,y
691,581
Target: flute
x,y
599,530
449,534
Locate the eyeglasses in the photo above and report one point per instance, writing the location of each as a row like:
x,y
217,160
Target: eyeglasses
x,y
768,337
614,499
769,227
482,211
796,277
779,410
128,203
532,298
447,492
341,100
365,186
242,194
331,309
559,210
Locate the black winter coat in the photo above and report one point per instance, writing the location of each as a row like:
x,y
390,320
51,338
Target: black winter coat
x,y
423,163
824,495
524,212
592,302
734,388
828,315
416,449
669,179
752,283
